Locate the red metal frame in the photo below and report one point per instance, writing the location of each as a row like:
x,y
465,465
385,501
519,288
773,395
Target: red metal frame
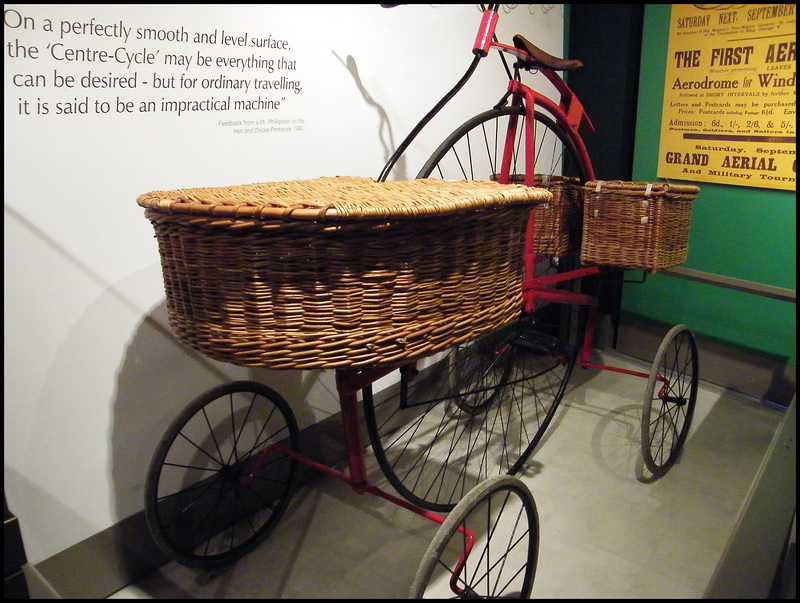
x,y
570,115
348,383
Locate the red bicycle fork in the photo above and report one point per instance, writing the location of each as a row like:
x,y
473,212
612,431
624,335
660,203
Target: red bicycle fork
x,y
568,113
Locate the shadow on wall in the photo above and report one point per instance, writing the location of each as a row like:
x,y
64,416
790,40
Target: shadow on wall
x,y
384,128
158,377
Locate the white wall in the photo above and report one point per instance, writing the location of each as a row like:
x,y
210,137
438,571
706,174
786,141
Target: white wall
x,y
92,374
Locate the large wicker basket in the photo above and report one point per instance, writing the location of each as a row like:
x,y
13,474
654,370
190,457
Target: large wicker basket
x,y
341,271
636,225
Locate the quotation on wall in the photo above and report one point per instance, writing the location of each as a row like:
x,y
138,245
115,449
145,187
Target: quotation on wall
x,y
101,66
729,112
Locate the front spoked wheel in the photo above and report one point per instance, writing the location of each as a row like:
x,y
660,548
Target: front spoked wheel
x,y
216,487
487,548
669,400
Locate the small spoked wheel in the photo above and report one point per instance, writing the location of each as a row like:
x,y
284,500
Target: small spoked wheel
x,y
487,547
669,400
216,487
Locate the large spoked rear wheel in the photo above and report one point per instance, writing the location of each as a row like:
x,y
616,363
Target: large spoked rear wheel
x,y
487,547
669,400
215,488
480,409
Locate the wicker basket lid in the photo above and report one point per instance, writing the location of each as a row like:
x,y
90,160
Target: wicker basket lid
x,y
342,198
637,189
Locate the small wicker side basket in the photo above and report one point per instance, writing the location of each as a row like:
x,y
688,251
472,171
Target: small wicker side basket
x,y
558,223
636,225
341,271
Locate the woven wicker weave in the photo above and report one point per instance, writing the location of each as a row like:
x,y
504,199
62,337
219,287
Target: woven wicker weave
x,y
636,225
558,223
343,271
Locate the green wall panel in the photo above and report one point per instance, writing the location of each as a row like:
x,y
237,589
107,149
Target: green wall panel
x,y
766,326
740,232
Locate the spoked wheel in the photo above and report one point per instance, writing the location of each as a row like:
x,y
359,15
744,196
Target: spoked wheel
x,y
475,150
669,400
216,488
477,412
487,547
481,408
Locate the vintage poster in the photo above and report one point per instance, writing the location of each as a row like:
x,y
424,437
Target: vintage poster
x,y
729,112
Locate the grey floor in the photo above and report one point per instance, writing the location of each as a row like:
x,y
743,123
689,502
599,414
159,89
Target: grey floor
x,y
605,533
